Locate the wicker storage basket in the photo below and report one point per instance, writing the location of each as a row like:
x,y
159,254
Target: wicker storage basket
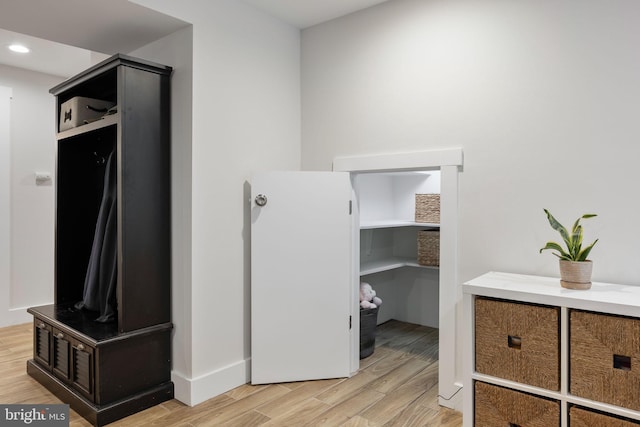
x,y
368,322
429,247
604,353
428,208
518,342
579,417
498,406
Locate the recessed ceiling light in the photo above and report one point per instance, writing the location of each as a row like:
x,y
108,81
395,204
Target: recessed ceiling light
x,y
19,48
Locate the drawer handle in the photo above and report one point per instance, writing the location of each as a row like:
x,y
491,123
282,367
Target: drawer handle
x,y
621,362
514,425
514,342
60,335
80,347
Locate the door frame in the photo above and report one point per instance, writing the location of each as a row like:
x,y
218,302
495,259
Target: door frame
x,y
450,162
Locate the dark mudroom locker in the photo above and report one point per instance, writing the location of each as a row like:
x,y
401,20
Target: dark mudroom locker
x,y
104,346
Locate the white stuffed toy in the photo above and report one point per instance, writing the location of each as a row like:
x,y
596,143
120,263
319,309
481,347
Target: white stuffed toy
x,y
368,298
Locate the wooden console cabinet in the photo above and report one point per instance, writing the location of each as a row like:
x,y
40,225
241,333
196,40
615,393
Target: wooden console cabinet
x,y
109,370
539,354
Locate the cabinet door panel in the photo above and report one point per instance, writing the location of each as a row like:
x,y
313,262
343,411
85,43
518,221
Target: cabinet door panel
x,y
301,280
42,343
61,355
82,368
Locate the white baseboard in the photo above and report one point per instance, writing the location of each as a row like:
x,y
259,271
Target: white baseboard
x,y
192,391
15,316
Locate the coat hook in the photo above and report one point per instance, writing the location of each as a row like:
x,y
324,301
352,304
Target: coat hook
x,y
99,158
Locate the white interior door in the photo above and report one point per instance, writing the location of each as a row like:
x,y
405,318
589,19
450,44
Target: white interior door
x,y
301,276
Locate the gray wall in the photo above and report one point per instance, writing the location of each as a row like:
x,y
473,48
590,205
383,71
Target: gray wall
x,y
543,97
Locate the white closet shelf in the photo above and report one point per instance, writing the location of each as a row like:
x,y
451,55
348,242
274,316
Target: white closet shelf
x,y
378,266
390,223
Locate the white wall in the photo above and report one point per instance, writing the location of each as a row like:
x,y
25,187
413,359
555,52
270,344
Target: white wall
x,y
176,50
5,199
32,149
246,118
542,96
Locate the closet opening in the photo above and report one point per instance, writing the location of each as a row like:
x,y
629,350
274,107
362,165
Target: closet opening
x,y
386,248
390,258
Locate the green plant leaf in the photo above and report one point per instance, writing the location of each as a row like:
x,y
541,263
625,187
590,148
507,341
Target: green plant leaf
x,y
559,228
556,247
576,225
576,241
582,256
573,240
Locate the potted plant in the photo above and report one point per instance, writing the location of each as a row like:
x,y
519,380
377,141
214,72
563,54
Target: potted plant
x,y
575,268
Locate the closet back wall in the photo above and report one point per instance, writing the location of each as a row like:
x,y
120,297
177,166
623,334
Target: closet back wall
x,y
542,96
32,142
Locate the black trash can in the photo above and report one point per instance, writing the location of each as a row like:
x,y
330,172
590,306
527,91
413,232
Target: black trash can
x,y
368,321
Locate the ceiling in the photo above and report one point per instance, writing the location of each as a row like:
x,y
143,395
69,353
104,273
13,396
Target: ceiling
x,y
103,27
305,13
45,55
68,36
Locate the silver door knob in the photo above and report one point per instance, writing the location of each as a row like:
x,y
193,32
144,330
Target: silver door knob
x,y
261,200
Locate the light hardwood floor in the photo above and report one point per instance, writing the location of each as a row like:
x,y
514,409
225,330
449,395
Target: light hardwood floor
x,y
396,386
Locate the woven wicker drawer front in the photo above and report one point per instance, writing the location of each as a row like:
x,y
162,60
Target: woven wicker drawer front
x,y
498,406
518,342
579,417
604,356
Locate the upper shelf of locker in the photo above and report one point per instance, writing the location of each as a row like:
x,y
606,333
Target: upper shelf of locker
x,y
89,127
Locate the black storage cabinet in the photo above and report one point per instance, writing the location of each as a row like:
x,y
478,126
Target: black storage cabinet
x,y
107,371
